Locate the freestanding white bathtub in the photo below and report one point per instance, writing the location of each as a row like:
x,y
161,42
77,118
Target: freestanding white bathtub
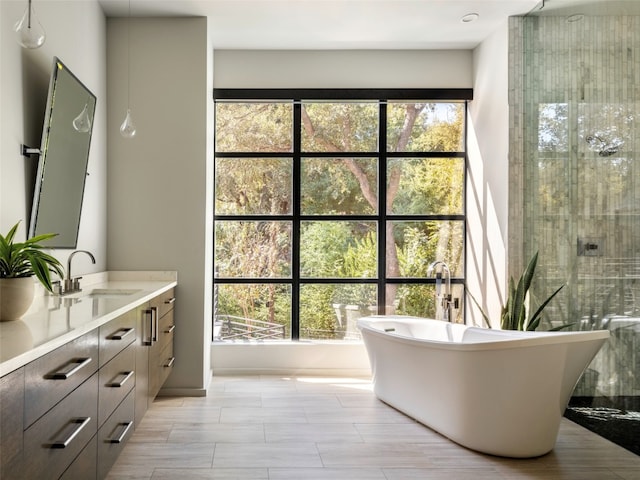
x,y
495,391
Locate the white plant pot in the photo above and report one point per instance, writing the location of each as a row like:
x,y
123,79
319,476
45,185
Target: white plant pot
x,y
16,296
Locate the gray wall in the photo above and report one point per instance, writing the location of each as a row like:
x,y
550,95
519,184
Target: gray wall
x,y
343,69
157,180
24,82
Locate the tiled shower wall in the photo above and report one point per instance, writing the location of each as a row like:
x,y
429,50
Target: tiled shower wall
x,y
575,179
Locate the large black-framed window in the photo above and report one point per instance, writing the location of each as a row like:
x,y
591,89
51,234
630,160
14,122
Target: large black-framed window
x,y
330,204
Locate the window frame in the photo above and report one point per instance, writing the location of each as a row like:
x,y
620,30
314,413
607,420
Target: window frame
x,y
382,96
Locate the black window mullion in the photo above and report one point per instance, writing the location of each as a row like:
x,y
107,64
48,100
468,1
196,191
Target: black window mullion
x,y
295,237
464,207
382,208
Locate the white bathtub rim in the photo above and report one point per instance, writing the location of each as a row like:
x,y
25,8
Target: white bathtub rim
x,y
505,338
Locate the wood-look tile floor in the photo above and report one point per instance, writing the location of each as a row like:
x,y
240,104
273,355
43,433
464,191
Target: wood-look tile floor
x,y
312,428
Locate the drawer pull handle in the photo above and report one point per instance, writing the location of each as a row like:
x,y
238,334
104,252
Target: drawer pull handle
x,y
126,426
170,301
82,422
148,334
170,329
170,362
119,335
126,376
64,374
154,325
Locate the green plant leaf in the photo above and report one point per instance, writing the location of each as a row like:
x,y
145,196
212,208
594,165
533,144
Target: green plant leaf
x,y
506,316
534,322
23,259
484,315
523,290
562,327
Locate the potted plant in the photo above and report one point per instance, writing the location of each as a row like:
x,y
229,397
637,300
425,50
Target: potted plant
x,y
516,314
18,263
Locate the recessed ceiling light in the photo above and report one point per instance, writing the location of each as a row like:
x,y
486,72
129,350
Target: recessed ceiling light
x,y
470,17
575,18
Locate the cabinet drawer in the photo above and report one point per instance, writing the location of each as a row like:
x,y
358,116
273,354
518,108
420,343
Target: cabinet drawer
x,y
84,466
54,441
167,363
116,380
116,335
164,302
166,328
114,434
54,375
160,366
11,412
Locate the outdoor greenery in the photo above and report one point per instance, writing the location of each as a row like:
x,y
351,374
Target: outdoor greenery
x,y
334,188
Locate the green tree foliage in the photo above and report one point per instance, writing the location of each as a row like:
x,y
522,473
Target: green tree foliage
x,y
246,186
254,127
338,185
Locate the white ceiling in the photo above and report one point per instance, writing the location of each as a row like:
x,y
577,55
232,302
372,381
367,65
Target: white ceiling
x,y
336,24
345,24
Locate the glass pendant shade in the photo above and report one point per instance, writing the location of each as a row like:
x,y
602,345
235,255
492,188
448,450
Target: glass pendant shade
x,y
82,123
30,32
128,129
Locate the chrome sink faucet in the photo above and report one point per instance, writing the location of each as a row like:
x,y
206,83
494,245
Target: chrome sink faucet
x,y
72,285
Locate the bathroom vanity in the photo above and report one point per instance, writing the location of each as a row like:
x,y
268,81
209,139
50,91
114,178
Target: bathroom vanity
x,y
78,372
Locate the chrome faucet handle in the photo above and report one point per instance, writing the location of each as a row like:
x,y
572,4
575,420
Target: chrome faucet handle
x,y
56,287
76,284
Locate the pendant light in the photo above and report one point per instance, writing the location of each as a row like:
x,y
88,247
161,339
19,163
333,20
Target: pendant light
x,y
128,129
30,31
82,123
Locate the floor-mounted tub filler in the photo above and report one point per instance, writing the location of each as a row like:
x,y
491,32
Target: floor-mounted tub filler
x,y
495,391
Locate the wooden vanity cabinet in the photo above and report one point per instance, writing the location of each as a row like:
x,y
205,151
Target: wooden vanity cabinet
x,y
54,441
114,434
69,413
55,375
116,335
154,349
49,413
11,426
117,377
84,466
161,357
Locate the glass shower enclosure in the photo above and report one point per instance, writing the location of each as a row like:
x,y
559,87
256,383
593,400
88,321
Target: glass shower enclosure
x,y
580,145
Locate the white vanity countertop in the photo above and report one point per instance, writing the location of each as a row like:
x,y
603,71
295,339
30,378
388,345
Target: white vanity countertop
x,y
53,321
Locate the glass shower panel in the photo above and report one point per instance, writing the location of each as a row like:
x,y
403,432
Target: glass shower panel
x,y
581,189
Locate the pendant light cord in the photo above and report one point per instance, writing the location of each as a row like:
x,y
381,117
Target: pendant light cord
x,y
129,57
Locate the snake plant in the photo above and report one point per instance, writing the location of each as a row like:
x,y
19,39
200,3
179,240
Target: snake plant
x,y
516,314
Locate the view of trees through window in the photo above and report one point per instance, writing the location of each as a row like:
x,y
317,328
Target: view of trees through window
x,y
329,210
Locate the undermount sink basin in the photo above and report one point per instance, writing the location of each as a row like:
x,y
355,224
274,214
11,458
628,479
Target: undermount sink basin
x,y
112,292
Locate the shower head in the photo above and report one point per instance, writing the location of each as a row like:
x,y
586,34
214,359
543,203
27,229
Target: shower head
x,y
605,148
